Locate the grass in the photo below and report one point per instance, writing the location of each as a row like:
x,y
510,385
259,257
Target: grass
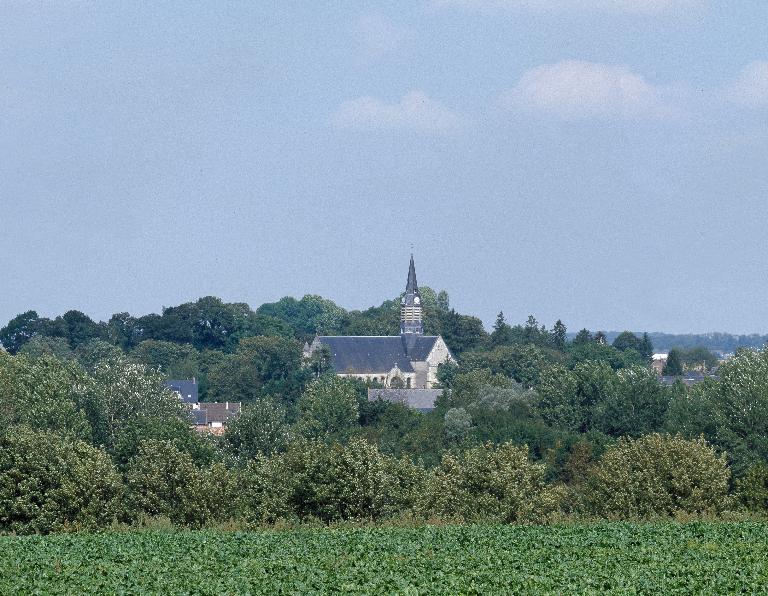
x,y
620,558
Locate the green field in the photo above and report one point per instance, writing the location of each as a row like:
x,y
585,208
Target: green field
x,y
714,558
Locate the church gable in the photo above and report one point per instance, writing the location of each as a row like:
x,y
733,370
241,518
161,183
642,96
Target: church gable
x,y
409,359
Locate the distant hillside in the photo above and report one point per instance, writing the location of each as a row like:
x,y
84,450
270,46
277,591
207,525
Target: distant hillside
x,y
720,342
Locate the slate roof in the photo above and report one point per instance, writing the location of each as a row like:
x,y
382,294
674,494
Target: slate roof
x,y
418,399
376,354
411,286
186,388
219,412
198,417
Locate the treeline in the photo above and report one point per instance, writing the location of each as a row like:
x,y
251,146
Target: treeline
x,y
514,438
725,343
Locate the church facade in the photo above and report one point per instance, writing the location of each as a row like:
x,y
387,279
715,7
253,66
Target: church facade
x,y
405,361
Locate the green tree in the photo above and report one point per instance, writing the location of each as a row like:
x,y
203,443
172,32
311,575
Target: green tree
x,y
329,409
165,356
42,393
752,488
490,483
559,334
93,352
582,337
42,345
674,366
259,367
646,347
163,481
658,475
457,424
127,403
738,405
19,330
260,429
329,482
626,340
502,332
636,405
50,483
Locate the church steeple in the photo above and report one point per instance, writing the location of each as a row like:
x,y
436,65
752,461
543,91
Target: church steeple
x,y
410,305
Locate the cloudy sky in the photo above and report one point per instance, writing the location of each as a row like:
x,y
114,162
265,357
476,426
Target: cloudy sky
x,y
600,161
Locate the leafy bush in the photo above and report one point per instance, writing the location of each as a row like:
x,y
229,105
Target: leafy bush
x,y
261,428
752,488
42,393
328,482
490,483
658,475
163,481
329,408
49,482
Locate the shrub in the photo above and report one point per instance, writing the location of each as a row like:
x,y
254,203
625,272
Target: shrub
x,y
163,481
490,483
752,488
658,475
261,428
42,393
328,482
49,482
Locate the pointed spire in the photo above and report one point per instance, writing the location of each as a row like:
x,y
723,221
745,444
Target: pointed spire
x,y
412,287
410,306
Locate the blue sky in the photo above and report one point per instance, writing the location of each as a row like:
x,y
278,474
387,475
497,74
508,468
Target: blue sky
x,y
600,161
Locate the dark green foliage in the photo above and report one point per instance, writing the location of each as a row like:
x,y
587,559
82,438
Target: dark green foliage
x,y
626,340
674,365
658,475
502,332
163,481
260,366
19,331
523,363
260,429
49,483
43,393
43,345
752,488
329,409
305,482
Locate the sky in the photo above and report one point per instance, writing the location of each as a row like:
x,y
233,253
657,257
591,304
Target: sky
x,y
604,162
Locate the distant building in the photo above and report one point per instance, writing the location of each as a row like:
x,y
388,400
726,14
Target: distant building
x,y
204,416
422,400
659,362
689,378
407,361
213,417
186,388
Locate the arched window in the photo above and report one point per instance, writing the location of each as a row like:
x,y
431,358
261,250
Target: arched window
x,y
408,383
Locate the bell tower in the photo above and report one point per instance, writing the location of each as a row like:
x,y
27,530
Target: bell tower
x,y
410,306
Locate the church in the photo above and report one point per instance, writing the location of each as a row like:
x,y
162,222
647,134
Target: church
x,y
405,361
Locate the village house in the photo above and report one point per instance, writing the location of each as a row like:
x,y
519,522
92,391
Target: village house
x,y
211,417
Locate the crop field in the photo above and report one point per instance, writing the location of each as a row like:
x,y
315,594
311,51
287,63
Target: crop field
x,y
715,558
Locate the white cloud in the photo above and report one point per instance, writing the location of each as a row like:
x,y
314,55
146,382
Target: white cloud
x,y
415,111
750,87
631,6
574,89
376,36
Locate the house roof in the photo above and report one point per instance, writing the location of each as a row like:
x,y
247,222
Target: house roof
x,y
186,388
219,412
198,417
418,399
376,354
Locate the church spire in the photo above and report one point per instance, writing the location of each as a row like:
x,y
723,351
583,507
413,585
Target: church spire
x,y
410,305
